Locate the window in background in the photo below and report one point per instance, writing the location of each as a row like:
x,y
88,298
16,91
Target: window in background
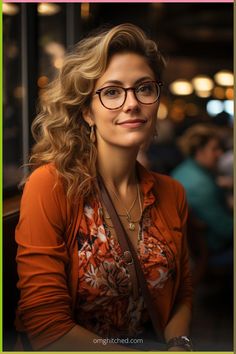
x,y
51,40
35,38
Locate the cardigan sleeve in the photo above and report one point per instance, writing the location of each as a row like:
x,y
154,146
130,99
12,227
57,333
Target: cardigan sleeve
x,y
44,308
185,292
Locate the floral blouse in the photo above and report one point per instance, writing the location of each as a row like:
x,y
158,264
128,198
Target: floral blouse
x,y
105,303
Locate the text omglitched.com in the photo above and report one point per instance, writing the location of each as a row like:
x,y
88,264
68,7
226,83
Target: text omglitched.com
x,y
105,341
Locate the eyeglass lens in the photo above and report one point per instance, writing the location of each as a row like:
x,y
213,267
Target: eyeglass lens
x,y
113,97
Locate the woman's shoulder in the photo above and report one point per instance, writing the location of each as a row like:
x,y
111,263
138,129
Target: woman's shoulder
x,y
46,172
171,195
167,183
44,175
44,179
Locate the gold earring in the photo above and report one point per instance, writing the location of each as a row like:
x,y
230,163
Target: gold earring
x,y
155,135
92,134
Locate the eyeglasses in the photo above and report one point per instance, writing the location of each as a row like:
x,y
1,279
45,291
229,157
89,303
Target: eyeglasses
x,y
113,97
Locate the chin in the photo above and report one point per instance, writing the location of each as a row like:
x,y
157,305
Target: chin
x,y
134,140
135,143
137,139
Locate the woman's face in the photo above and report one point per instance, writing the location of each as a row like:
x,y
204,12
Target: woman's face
x,y
133,123
208,156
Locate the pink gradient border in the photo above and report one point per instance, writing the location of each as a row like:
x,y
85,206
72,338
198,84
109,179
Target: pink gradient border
x,y
124,1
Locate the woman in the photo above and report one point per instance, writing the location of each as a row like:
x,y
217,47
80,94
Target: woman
x,y
74,285
201,144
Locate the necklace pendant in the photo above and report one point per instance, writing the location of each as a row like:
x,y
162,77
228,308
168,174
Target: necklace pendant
x,y
131,226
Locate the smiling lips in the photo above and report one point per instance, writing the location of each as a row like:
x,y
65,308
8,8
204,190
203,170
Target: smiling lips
x,y
133,123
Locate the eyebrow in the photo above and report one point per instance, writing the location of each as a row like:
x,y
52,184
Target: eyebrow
x,y
117,82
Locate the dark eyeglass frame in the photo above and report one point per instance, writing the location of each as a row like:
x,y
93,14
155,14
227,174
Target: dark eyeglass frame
x,y
157,83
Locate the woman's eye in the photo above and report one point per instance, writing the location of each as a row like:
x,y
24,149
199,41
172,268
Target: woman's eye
x,y
112,92
145,88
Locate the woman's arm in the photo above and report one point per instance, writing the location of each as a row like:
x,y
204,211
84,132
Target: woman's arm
x,y
179,322
181,317
178,325
44,309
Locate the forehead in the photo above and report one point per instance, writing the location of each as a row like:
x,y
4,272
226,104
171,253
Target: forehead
x,y
126,68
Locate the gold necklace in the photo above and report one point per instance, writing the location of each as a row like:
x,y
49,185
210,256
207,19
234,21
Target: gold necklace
x,y
132,205
128,215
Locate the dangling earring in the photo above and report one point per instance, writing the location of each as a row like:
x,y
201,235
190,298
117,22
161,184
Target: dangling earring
x,y
92,134
155,135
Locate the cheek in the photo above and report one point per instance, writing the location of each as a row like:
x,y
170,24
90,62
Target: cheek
x,y
213,156
216,156
101,115
105,121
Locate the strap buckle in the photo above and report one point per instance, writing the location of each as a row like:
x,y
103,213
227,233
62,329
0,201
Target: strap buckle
x,y
128,259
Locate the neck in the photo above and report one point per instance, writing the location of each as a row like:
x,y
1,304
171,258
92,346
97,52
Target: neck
x,y
201,163
117,166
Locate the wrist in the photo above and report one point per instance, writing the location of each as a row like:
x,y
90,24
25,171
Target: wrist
x,y
180,343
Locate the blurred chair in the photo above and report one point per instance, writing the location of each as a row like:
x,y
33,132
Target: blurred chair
x,y
208,268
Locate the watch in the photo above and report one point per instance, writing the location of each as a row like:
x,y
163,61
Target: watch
x,y
181,341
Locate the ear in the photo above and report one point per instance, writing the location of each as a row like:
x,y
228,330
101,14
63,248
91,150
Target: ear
x,y
87,116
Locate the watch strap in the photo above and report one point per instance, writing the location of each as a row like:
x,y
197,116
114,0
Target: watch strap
x,y
181,341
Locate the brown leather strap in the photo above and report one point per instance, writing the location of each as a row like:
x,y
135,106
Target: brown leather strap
x,y
127,256
136,272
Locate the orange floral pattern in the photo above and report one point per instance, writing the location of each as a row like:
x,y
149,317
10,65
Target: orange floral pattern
x,y
105,302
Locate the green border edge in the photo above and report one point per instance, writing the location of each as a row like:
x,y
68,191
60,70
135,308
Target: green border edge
x,y
1,168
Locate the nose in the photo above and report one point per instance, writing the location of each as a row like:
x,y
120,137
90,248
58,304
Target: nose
x,y
131,101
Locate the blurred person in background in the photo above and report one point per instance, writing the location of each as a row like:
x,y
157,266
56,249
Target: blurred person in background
x,y
225,166
225,176
198,174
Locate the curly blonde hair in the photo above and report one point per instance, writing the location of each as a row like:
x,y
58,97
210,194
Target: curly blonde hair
x,y
60,132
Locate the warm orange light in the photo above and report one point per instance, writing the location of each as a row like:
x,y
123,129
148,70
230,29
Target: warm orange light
x,y
181,87
229,93
48,9
85,9
58,63
224,78
162,111
42,81
202,83
191,109
10,9
177,114
218,92
203,94
19,92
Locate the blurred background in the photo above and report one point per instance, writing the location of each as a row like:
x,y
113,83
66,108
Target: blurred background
x,y
196,40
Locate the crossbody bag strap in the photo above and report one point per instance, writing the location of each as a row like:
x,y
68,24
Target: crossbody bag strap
x,y
136,272
126,254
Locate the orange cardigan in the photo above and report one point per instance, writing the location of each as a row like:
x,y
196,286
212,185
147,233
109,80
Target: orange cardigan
x,y
47,256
